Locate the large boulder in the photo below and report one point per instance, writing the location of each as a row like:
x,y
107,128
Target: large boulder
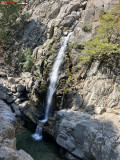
x,y
3,92
3,74
23,155
7,136
89,137
6,129
20,88
3,95
7,153
6,112
68,20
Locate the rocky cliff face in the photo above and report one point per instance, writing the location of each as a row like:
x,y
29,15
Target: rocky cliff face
x,y
57,18
94,88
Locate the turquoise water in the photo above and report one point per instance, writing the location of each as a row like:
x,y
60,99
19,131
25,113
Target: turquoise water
x,y
39,150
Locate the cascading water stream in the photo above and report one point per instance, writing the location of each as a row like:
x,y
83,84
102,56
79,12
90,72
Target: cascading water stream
x,y
54,79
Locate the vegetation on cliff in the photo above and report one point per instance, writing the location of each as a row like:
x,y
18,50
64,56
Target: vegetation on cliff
x,y
12,21
106,41
8,25
24,59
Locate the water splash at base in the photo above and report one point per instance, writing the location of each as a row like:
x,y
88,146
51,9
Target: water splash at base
x,y
38,133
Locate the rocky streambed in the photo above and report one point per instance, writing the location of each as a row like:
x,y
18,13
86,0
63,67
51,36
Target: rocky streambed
x,y
15,113
12,148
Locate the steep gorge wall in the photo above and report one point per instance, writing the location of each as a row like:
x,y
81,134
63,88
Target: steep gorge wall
x,y
93,89
80,88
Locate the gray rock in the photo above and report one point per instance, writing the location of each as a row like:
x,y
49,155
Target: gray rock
x,y
20,88
13,88
17,80
65,33
23,155
93,69
7,153
18,101
3,95
54,12
6,129
10,143
83,5
78,101
10,98
90,109
24,105
88,137
26,75
11,80
16,109
3,74
17,95
68,21
29,84
100,110
81,35
6,113
70,156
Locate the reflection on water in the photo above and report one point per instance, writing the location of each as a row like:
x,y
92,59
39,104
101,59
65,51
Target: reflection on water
x,y
39,150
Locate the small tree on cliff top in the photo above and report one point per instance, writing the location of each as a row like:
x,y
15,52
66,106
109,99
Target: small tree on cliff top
x,y
106,40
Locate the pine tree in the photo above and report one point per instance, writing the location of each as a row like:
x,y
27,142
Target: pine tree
x,y
106,41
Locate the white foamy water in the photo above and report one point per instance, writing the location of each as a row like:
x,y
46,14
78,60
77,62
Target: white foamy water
x,y
54,79
38,133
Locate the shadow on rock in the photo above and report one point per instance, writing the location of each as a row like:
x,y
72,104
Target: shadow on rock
x,y
88,137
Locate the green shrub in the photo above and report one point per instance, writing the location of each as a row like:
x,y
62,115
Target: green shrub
x,y
65,29
102,45
118,88
25,59
49,46
75,45
54,38
11,23
87,28
102,11
8,25
28,64
59,26
66,90
96,49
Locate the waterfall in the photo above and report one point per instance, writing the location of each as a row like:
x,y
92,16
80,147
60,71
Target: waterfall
x,y
54,79
38,133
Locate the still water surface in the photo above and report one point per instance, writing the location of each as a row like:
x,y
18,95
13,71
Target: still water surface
x,y
39,150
